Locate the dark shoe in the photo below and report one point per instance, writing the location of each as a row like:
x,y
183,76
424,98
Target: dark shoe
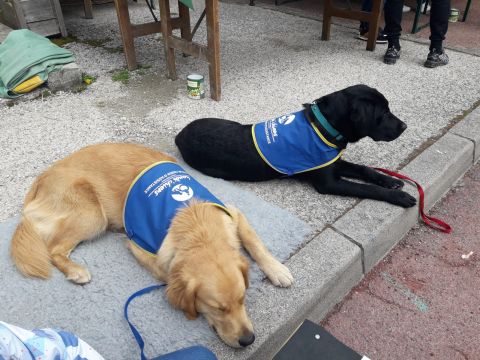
x,y
436,58
381,38
392,55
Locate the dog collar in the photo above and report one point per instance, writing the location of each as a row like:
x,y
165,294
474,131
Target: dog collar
x,y
325,124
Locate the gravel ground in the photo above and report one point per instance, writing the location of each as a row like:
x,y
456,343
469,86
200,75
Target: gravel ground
x,y
271,63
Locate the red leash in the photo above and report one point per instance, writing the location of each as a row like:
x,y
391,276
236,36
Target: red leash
x,y
430,221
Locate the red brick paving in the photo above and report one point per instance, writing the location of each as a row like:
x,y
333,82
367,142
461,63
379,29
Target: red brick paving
x,y
423,301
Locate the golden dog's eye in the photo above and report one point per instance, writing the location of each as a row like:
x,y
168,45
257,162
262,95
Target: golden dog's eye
x,y
221,309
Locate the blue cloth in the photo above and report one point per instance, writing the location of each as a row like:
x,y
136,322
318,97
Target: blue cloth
x,y
190,353
154,198
290,144
43,344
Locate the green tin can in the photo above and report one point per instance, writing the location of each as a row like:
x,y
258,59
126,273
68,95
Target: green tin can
x,y
454,15
195,86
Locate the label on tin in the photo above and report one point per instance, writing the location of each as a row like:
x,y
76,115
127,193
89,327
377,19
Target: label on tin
x,y
195,85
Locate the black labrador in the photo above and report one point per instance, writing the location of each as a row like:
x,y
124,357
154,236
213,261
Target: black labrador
x,y
225,149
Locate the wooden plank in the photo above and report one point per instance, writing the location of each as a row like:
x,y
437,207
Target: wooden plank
x,y
59,14
45,28
184,17
327,20
374,22
19,14
153,27
213,44
4,31
191,48
350,14
146,29
9,15
88,7
37,10
126,32
165,19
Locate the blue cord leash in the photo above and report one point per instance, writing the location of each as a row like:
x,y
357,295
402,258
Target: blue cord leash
x,y
136,334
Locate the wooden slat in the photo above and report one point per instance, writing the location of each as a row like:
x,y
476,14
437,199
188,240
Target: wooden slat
x,y
190,48
37,10
19,13
165,19
213,41
350,14
127,33
45,28
153,27
59,14
88,8
4,31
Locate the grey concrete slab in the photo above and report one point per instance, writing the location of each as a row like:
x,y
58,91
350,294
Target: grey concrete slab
x,y
95,311
439,166
325,270
377,227
469,128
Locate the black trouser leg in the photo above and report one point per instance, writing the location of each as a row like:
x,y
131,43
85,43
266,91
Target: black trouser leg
x,y
438,22
393,19
367,5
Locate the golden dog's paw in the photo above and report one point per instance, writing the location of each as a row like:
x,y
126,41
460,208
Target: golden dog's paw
x,y
279,274
78,274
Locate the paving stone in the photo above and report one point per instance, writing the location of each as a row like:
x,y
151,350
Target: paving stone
x,y
470,128
377,227
324,270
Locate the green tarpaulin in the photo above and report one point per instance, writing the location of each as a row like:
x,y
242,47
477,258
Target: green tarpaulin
x,y
24,54
188,3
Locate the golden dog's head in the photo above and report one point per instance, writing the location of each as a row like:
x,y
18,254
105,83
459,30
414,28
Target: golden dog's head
x,y
217,290
210,276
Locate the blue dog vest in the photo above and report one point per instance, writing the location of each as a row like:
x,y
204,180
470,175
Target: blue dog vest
x,y
290,144
153,199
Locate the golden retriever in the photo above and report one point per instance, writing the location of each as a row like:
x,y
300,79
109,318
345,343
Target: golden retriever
x,y
83,195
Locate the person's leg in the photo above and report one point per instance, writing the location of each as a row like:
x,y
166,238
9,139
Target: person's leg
x,y
393,29
439,14
366,6
393,19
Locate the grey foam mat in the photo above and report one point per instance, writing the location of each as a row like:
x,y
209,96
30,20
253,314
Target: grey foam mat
x,y
94,311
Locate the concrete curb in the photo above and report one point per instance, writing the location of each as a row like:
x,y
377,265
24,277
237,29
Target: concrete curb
x,y
331,264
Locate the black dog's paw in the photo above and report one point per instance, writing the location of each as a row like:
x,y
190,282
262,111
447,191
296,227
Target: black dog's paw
x,y
390,183
401,198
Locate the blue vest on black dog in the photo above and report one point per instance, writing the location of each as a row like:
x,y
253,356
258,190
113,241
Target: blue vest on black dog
x,y
290,144
153,199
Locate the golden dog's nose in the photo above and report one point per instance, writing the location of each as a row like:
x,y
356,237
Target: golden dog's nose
x,y
246,340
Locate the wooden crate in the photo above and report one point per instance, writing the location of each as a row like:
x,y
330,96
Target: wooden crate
x,y
41,16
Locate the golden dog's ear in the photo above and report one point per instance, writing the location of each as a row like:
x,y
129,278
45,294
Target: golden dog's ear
x,y
181,292
244,266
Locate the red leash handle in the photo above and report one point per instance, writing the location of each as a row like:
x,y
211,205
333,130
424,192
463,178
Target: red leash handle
x,y
434,223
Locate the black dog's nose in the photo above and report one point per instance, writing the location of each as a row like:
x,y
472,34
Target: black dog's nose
x,y
246,340
403,126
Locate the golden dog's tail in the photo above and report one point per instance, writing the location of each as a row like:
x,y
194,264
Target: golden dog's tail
x,y
28,249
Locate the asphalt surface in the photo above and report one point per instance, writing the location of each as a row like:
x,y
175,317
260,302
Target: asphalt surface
x,y
421,302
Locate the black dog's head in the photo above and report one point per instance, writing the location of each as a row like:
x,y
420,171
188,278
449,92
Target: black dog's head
x,y
359,111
